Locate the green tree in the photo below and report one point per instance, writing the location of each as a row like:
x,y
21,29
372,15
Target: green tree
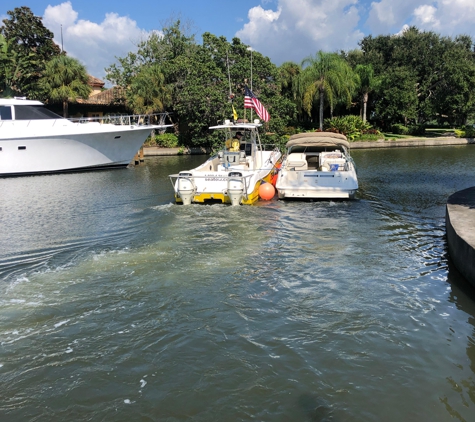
x,y
288,74
197,78
15,69
148,92
398,97
29,46
326,76
366,84
64,80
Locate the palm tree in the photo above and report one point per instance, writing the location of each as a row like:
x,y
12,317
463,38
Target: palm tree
x,y
366,82
148,92
325,76
288,72
65,80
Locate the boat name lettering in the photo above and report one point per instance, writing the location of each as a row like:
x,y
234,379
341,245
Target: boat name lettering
x,y
215,179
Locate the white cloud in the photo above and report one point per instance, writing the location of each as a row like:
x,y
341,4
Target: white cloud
x,y
426,16
445,17
95,44
299,28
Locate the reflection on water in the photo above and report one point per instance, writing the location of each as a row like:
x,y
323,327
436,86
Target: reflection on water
x,y
117,304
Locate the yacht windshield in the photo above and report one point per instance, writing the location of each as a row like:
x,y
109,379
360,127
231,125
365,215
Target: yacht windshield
x,y
34,112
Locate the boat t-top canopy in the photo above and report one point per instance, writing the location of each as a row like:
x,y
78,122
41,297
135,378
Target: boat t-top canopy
x,y
318,139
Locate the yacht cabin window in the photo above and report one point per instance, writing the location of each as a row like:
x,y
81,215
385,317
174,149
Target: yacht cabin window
x,y
35,112
5,113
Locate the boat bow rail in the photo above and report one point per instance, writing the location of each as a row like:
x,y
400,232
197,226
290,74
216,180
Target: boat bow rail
x,y
157,119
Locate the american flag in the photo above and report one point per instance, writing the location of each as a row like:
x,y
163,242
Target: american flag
x,y
251,101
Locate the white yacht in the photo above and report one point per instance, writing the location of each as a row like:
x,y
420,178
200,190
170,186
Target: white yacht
x,y
233,175
35,140
317,165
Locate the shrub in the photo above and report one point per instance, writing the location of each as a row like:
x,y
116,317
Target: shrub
x,y
166,140
469,131
417,130
350,126
399,129
459,133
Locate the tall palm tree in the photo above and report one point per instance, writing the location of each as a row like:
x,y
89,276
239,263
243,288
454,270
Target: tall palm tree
x,y
366,83
65,80
325,76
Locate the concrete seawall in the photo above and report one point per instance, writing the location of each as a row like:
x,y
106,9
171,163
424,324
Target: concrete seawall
x,y
460,229
410,142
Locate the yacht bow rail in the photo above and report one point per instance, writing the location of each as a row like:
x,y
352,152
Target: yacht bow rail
x,y
126,120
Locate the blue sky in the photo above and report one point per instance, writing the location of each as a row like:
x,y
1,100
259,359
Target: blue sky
x,y
95,32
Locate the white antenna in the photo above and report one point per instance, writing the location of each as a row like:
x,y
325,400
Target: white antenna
x,y
250,49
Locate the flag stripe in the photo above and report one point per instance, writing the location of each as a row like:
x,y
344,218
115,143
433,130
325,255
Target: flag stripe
x,y
251,101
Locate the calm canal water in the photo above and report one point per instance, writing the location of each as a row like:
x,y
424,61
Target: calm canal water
x,y
118,305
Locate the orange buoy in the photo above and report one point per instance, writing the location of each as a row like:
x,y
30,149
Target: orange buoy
x,y
266,191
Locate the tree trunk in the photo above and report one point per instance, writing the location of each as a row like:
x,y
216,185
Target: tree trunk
x,y
321,109
65,109
365,103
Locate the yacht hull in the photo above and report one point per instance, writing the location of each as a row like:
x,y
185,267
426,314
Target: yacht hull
x,y
111,147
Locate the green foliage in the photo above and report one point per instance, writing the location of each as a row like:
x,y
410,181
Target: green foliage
x,y
326,77
351,126
164,140
417,130
423,75
467,131
369,137
25,48
399,129
64,80
148,92
196,79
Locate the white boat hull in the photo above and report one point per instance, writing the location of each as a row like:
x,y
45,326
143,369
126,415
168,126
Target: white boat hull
x,y
233,185
71,151
317,166
234,175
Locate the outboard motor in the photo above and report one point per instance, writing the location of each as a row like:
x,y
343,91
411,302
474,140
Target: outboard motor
x,y
235,187
186,188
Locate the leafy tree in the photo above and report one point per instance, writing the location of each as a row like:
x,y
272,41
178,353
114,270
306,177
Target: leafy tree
x,y
398,97
148,92
440,69
64,80
197,78
288,74
15,70
454,96
326,76
29,45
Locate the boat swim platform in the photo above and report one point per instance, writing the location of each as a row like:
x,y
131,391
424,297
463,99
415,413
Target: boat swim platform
x,y
460,230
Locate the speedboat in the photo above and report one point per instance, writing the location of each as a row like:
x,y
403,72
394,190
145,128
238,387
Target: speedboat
x,y
34,140
233,175
317,165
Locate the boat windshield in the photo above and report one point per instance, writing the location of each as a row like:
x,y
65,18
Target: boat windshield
x,y
34,112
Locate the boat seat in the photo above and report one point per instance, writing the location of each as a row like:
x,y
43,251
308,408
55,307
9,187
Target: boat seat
x,y
297,161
